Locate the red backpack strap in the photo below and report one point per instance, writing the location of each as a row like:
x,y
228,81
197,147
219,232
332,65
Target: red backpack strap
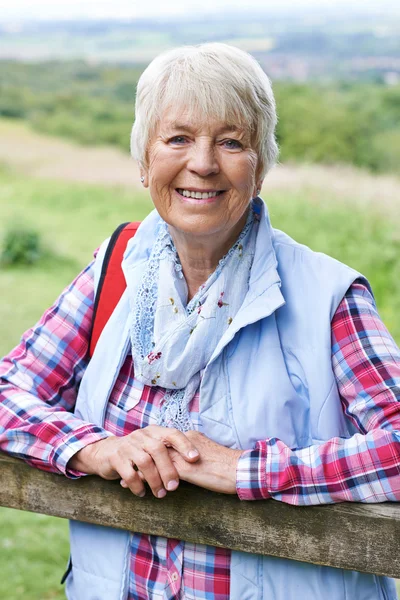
x,y
112,282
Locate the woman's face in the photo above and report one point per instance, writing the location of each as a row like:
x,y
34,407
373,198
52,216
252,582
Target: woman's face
x,y
201,174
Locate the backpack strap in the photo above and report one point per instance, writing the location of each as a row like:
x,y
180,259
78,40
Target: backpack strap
x,y
112,282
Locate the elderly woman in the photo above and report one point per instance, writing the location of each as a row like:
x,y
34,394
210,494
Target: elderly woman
x,y
236,359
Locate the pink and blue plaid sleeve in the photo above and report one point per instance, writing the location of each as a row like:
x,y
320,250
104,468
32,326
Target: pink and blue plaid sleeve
x,y
364,467
39,379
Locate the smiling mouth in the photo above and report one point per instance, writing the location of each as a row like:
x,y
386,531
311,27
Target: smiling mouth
x,y
196,195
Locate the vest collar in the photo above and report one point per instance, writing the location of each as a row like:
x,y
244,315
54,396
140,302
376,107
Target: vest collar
x,y
264,295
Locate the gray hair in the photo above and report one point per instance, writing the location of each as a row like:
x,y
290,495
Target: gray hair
x,y
217,80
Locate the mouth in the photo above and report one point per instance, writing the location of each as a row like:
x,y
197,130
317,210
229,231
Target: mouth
x,y
202,195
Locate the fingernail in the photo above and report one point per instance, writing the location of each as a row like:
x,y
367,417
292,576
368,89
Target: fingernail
x,y
123,483
141,494
193,454
172,485
161,494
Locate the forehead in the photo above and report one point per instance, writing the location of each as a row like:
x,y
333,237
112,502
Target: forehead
x,y
195,120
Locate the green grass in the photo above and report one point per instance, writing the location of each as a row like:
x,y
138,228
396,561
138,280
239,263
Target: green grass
x,y
33,556
361,237
73,220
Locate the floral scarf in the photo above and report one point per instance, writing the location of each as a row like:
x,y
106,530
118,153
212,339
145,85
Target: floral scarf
x,y
172,341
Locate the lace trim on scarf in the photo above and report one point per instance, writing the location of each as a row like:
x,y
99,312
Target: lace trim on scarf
x,y
174,407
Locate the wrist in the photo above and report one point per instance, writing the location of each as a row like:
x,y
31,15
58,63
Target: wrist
x,y
236,454
84,459
251,475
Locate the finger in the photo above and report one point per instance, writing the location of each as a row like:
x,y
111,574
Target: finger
x,y
182,466
177,440
146,465
125,485
163,463
130,479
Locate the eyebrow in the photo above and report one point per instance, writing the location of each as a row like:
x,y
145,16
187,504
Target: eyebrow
x,y
188,127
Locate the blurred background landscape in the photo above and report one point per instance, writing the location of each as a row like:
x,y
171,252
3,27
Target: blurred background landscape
x,y
68,73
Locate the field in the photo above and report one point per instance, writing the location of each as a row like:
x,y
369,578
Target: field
x,y
345,212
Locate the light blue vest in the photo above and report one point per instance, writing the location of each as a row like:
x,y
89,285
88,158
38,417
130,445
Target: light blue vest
x,y
270,376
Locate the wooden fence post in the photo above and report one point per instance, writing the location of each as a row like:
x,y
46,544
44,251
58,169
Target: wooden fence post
x,y
361,537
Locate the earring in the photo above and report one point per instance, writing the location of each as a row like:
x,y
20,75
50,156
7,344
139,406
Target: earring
x,y
142,179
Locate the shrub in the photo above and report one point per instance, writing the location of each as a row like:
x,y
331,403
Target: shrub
x,y
21,245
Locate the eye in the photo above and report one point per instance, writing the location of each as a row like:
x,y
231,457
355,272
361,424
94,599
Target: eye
x,y
232,144
177,140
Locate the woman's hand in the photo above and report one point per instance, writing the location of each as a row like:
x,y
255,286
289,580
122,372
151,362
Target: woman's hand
x,y
141,455
216,468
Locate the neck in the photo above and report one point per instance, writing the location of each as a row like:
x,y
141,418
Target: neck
x,y
200,256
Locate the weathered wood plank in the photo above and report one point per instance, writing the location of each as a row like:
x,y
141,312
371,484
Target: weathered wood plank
x,y
351,536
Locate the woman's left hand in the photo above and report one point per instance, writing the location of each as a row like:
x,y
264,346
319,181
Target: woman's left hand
x,y
216,468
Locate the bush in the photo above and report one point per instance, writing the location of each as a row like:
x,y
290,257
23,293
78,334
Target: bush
x,y
21,246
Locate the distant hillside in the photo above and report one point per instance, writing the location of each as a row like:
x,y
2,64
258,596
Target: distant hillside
x,y
293,45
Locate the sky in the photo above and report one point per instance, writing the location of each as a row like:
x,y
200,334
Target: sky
x,y
98,9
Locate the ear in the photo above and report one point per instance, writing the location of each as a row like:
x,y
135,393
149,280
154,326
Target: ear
x,y
257,187
144,177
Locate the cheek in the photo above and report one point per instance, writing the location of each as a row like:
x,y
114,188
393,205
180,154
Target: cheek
x,y
252,164
159,178
251,168
156,163
161,196
244,173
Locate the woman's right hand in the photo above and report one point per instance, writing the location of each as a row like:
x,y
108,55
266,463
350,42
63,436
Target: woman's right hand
x,y
137,457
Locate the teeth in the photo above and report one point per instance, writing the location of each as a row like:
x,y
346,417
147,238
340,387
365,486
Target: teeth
x,y
198,195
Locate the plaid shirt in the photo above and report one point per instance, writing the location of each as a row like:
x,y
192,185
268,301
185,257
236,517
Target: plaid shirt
x,y
39,379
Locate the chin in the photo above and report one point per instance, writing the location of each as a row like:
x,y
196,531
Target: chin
x,y
196,225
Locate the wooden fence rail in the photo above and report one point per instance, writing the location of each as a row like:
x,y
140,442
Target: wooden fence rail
x,y
351,536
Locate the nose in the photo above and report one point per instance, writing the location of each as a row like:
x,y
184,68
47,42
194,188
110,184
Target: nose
x,y
203,160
